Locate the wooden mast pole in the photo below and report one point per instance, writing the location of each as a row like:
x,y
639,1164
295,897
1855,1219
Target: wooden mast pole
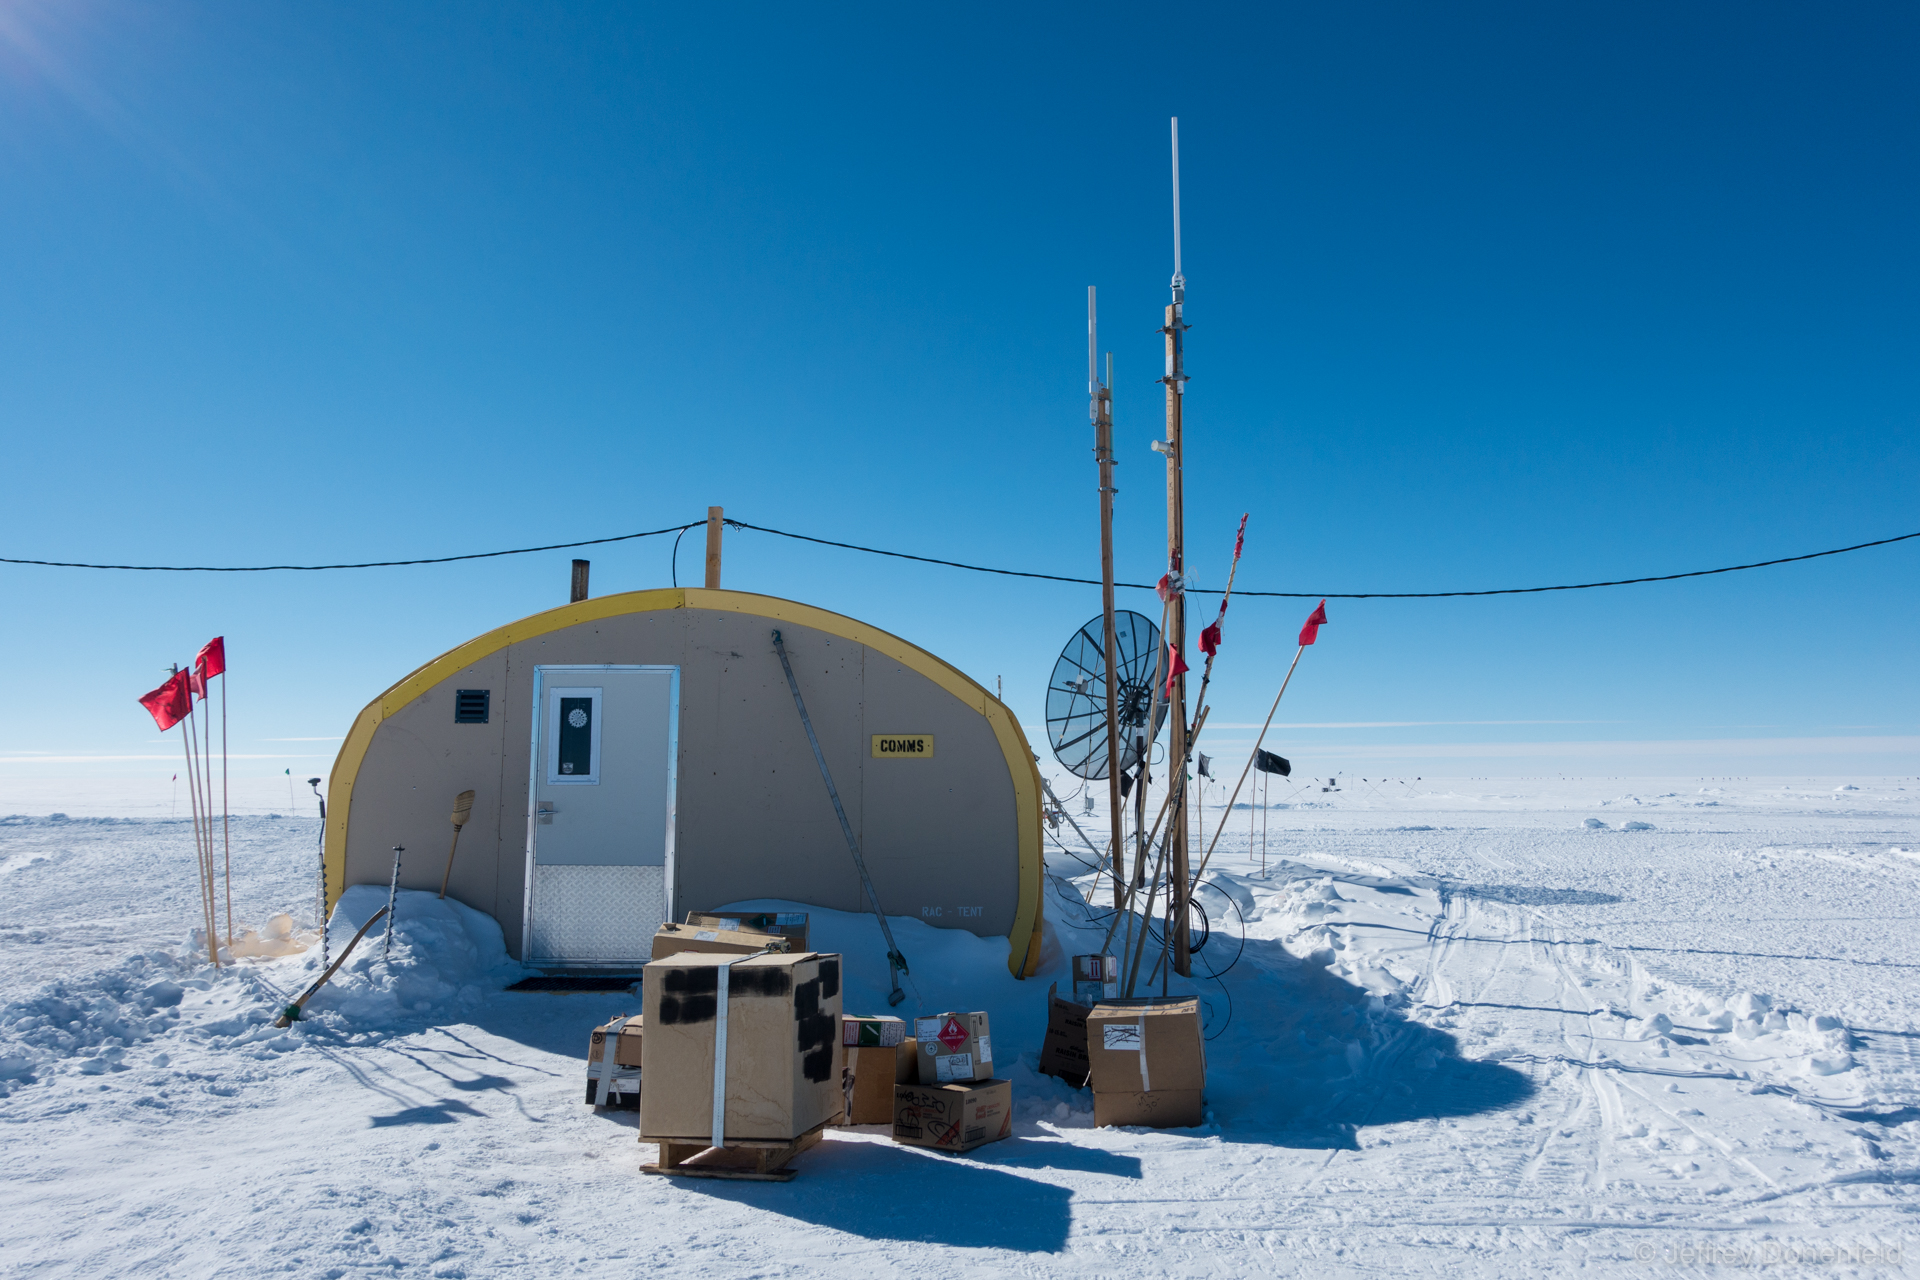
x,y
716,523
1175,379
1102,411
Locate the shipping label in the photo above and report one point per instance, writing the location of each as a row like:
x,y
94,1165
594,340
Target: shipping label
x,y
954,1068
1124,1035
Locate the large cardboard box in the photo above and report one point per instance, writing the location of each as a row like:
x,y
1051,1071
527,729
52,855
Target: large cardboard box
x,y
955,1048
791,925
672,939
952,1117
1064,1051
780,1076
871,1073
615,1081
1147,1062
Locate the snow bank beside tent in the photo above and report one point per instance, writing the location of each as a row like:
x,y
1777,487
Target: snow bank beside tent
x,y
445,958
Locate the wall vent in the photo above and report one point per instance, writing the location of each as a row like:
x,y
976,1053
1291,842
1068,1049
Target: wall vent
x,y
470,705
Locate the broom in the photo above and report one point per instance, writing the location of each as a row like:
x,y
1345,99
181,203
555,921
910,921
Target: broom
x,y
462,806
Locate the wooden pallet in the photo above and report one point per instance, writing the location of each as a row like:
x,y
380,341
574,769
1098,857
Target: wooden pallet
x,y
747,1159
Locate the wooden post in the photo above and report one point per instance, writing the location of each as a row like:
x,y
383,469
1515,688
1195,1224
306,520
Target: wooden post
x,y
579,581
714,526
1176,565
1102,409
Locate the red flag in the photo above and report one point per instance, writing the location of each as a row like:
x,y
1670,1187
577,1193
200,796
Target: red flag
x,y
212,659
196,682
1311,632
169,704
1179,668
1210,640
1170,585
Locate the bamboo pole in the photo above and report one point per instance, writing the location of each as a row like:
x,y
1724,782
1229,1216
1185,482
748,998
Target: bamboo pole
x,y
1256,753
1146,747
1152,837
226,833
206,790
206,783
199,842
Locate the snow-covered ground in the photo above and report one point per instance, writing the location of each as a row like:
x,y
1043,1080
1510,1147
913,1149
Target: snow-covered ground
x,y
1498,1028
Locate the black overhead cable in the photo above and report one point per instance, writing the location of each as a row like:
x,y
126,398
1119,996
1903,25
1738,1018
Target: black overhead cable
x,y
952,564
1338,595
371,564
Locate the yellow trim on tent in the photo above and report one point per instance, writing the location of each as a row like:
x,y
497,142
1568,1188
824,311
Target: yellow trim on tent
x,y
1024,957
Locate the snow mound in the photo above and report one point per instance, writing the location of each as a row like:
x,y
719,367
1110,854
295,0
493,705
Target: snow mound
x,y
1636,826
1595,824
443,956
89,1023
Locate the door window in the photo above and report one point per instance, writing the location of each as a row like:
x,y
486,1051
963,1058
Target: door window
x,y
573,737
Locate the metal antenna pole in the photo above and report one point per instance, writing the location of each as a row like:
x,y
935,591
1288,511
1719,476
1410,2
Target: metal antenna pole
x,y
1176,377
896,963
1101,407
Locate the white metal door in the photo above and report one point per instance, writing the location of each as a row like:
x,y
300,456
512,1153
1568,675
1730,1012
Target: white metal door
x,y
600,825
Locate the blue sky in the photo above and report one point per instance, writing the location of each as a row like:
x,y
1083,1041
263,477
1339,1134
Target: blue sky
x,y
1482,295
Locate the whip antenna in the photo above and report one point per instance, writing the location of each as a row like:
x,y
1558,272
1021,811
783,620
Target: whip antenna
x,y
1093,373
1179,281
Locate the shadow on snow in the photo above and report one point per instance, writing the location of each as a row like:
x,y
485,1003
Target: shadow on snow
x,y
1309,1059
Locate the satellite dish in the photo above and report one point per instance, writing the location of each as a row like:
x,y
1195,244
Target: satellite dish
x,y
1077,694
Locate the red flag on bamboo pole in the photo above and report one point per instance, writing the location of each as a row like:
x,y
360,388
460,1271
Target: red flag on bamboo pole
x,y
196,682
169,704
212,659
1311,632
1210,639
1176,668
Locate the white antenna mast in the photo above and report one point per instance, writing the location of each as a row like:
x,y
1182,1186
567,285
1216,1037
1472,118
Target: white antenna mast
x,y
1179,281
1093,373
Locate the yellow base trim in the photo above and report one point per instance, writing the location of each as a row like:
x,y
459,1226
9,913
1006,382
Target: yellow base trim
x,y
1022,960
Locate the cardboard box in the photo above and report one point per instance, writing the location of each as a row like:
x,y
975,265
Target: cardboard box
x,y
1064,1052
615,1082
780,1076
1161,1109
1137,1049
1095,978
954,1048
861,1031
791,925
672,939
952,1117
871,1073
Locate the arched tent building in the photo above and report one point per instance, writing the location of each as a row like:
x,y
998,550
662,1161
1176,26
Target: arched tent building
x,y
638,756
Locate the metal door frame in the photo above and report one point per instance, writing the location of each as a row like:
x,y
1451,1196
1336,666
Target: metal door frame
x,y
534,762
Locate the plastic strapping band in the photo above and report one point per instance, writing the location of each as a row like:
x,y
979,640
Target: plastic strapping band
x,y
608,1051
1146,1081
720,1051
